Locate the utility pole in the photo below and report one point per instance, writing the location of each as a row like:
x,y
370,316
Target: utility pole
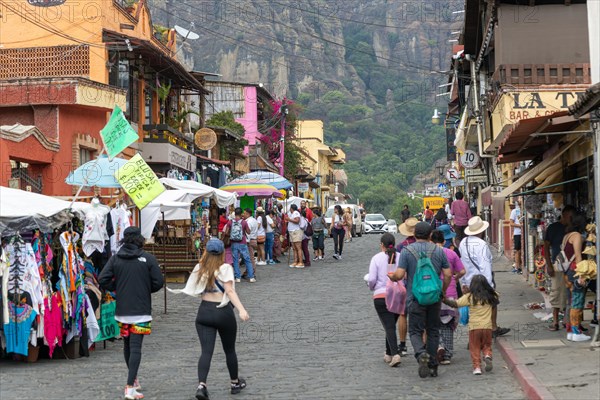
x,y
284,111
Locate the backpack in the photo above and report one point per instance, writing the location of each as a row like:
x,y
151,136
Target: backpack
x,y
426,284
237,231
308,231
562,263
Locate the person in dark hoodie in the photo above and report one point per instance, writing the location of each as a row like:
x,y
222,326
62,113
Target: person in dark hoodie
x,y
134,274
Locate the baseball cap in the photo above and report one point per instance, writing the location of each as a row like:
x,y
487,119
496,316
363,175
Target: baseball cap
x,y
215,246
423,229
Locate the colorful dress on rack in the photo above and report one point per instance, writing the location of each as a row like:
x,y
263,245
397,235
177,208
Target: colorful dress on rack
x,y
18,328
53,329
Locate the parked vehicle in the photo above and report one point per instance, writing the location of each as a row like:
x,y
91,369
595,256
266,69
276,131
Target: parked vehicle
x,y
357,226
392,226
375,223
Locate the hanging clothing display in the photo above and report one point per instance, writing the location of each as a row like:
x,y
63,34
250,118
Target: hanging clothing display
x,y
95,233
53,330
120,219
18,328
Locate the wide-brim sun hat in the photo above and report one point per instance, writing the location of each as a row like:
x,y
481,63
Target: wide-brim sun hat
x,y
407,228
476,226
447,231
260,209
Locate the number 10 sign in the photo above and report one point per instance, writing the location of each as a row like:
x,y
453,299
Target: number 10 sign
x,y
469,159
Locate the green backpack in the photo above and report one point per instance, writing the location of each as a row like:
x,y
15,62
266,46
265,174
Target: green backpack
x,y
426,285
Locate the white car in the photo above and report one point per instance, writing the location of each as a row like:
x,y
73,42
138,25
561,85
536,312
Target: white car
x,y
375,223
392,226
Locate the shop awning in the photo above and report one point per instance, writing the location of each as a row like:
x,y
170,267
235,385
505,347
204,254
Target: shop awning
x,y
535,170
208,160
531,137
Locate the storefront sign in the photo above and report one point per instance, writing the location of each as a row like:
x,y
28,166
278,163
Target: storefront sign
x,y
139,181
469,159
523,105
117,134
164,153
303,187
457,183
45,3
434,203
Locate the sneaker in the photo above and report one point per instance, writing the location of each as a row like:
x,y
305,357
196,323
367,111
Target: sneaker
x,y
580,337
202,393
261,263
277,261
292,265
403,350
570,336
423,361
336,256
488,363
387,358
520,272
252,280
321,258
339,257
237,387
477,371
316,259
395,361
136,384
441,354
433,371
132,394
500,332
299,265
445,361
238,280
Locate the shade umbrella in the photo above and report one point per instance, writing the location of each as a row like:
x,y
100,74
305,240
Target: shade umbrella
x,y
99,173
270,178
251,187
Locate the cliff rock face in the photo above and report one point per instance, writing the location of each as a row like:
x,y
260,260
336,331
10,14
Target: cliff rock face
x,y
362,66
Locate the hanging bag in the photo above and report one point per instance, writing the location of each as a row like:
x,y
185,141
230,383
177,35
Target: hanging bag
x,y
562,263
395,296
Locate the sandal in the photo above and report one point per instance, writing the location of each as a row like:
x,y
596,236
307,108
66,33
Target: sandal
x,y
553,327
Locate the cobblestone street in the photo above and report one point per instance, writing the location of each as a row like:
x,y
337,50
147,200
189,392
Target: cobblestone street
x,y
313,334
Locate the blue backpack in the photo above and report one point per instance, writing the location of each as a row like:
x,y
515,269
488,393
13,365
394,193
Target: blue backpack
x,y
426,285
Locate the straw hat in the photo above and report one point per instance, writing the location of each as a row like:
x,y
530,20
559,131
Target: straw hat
x,y
408,227
590,250
260,209
476,226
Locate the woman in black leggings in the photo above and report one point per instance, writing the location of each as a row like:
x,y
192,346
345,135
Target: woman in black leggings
x,y
212,279
337,231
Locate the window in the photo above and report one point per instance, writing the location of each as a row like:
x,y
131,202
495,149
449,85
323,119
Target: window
x,y
85,155
148,104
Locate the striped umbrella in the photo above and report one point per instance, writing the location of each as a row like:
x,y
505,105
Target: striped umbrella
x,y
270,178
251,187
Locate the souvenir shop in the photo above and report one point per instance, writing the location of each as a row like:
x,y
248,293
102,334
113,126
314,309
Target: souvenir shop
x,y
568,182
52,253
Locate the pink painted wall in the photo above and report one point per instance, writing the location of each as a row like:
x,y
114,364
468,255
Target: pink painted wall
x,y
250,120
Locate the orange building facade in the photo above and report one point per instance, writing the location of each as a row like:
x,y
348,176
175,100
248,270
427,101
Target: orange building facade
x,y
63,67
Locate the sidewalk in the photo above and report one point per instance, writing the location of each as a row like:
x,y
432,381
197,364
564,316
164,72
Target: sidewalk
x,y
546,365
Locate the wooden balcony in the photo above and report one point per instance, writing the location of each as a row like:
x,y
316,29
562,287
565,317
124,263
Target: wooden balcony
x,y
542,74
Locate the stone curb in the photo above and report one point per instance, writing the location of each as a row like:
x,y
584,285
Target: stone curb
x,y
531,385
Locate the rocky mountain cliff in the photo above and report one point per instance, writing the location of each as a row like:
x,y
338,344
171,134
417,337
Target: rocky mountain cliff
x,y
362,66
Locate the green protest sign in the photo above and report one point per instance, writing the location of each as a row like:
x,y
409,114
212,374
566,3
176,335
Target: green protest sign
x,y
117,134
109,328
139,181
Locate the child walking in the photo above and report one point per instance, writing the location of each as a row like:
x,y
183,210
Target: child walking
x,y
480,300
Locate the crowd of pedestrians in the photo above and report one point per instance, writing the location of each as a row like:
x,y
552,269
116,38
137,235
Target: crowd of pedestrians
x,y
438,273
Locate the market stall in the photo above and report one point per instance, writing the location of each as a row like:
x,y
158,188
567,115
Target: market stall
x,y
50,294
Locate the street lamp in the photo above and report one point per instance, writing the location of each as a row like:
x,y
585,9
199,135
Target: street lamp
x,y
435,119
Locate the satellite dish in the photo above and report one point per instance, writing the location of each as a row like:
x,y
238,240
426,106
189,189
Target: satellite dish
x,y
186,33
205,139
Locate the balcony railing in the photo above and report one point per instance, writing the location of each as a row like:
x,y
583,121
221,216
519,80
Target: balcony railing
x,y
163,133
542,74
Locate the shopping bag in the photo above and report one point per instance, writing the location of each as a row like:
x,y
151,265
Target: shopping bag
x,y
109,328
395,297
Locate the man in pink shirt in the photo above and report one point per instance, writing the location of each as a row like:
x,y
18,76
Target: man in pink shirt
x,y
461,213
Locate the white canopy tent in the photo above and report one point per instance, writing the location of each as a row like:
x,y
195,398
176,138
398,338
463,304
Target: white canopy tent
x,y
221,197
175,204
292,200
21,210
